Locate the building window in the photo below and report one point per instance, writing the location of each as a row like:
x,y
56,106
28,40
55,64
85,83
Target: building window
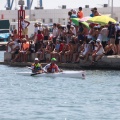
x,y
51,20
43,20
12,27
58,20
13,20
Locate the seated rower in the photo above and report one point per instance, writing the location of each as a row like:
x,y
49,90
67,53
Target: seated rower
x,y
52,67
37,67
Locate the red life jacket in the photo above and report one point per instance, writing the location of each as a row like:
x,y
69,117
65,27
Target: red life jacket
x,y
52,66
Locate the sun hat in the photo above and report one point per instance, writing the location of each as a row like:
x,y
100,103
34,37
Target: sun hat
x,y
91,41
53,59
36,59
98,40
117,23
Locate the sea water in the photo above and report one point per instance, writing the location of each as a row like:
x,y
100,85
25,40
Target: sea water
x,y
57,98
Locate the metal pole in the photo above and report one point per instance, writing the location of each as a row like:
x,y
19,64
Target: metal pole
x,y
112,8
29,12
108,3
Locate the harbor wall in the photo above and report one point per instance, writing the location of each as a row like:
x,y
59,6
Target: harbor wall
x,y
107,62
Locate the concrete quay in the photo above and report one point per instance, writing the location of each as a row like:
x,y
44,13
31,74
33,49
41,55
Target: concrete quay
x,y
106,63
3,46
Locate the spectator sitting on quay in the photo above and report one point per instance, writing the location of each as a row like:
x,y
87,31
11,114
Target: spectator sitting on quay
x,y
21,56
98,53
117,42
41,52
112,35
64,52
39,40
109,49
55,52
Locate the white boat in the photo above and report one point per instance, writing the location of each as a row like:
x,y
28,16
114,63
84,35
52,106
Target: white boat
x,y
68,74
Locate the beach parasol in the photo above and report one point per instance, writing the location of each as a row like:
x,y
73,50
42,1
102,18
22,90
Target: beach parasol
x,y
75,21
84,19
101,19
85,24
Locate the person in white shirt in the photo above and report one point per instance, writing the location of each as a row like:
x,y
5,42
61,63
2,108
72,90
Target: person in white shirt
x,y
24,27
117,26
98,53
35,29
104,34
73,30
55,33
40,27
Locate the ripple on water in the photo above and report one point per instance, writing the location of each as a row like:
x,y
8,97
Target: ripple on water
x,y
41,98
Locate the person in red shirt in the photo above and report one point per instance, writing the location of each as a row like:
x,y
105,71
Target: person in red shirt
x,y
65,50
52,67
80,13
39,40
40,36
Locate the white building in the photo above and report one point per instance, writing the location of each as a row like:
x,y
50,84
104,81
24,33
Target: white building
x,y
48,16
54,15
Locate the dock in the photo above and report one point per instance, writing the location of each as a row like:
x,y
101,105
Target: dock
x,y
106,63
3,46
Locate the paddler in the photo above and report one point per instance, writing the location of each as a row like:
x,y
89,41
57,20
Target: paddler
x,y
52,67
36,67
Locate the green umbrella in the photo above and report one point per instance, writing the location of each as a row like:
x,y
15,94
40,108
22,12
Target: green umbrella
x,y
75,21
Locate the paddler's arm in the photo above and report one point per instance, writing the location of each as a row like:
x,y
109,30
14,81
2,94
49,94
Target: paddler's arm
x,y
32,66
45,68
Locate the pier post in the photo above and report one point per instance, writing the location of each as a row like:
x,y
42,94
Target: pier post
x,y
21,12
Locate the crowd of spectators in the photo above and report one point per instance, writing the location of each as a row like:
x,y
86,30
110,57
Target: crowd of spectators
x,y
70,43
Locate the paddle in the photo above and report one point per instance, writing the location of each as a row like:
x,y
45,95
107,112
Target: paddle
x,y
33,74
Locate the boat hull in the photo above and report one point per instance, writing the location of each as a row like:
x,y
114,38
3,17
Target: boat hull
x,y
68,74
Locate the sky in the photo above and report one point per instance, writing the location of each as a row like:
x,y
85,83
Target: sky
x,y
55,4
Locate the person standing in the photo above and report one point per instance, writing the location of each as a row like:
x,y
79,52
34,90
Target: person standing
x,y
24,26
35,29
55,33
92,14
96,13
112,35
80,13
46,33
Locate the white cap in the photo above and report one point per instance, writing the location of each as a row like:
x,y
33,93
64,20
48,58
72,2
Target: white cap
x,y
98,40
36,59
91,41
95,26
117,23
98,26
89,36
74,11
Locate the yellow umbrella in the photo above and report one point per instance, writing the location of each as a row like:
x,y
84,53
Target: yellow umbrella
x,y
101,19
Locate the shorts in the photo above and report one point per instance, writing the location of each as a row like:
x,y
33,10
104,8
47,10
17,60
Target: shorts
x,y
99,53
25,31
45,37
117,42
112,40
